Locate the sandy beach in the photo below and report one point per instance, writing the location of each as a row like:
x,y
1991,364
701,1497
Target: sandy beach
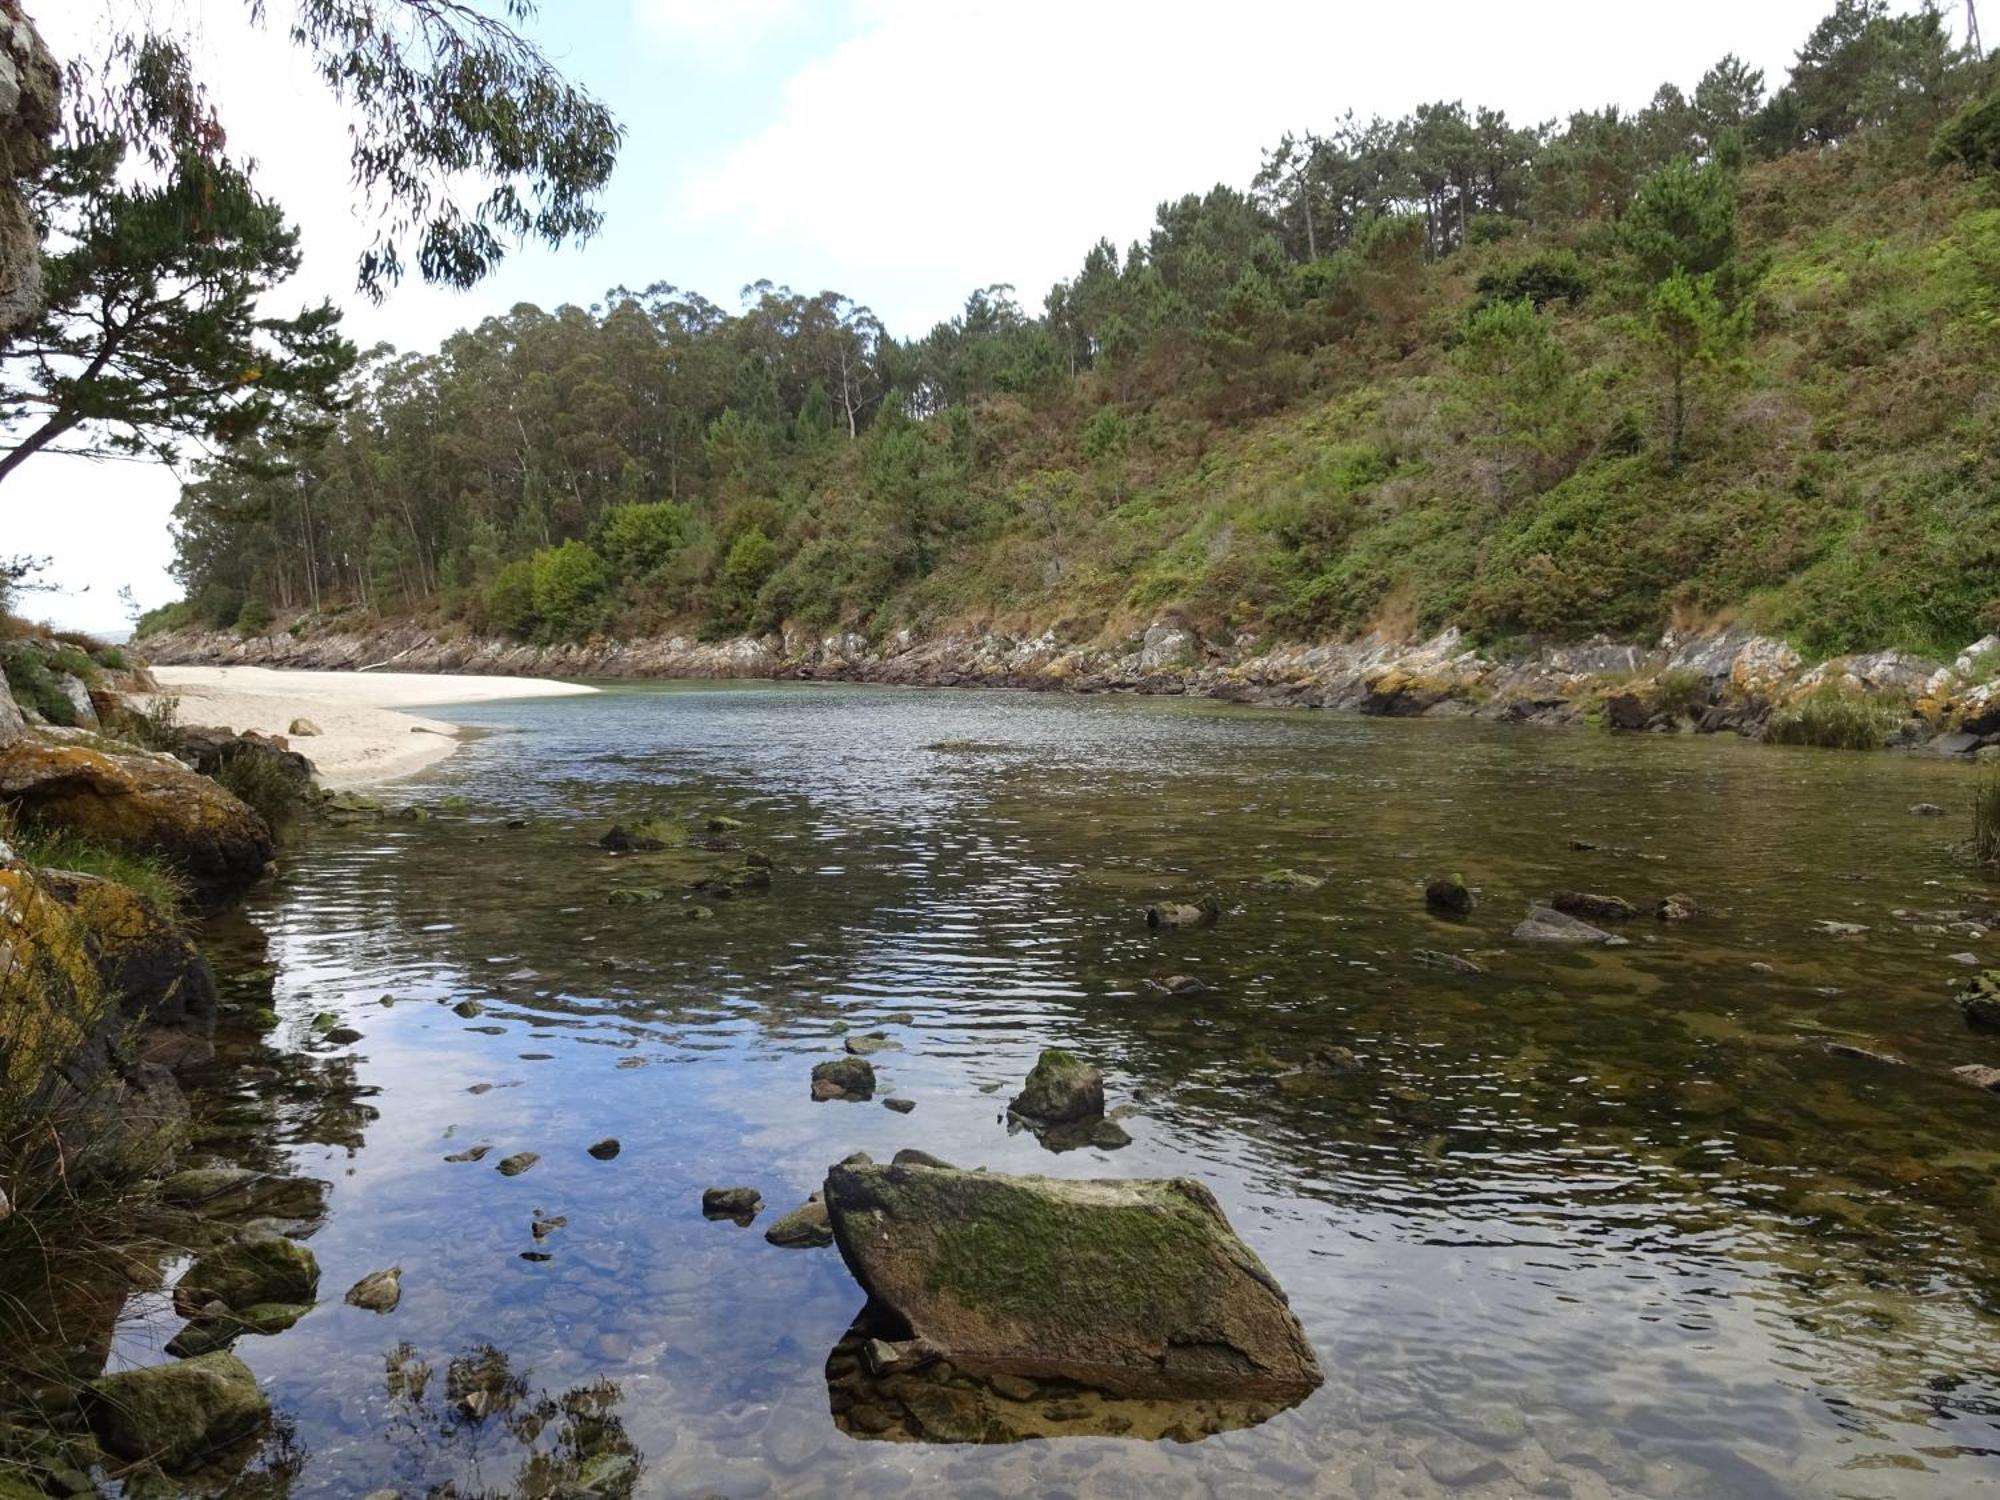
x,y
364,734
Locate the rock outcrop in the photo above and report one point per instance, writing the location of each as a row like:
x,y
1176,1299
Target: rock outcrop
x,y
141,803
30,112
1137,1288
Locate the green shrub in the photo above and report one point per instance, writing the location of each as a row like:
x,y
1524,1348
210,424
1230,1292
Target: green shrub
x,y
510,599
111,659
1833,718
179,615
253,618
1680,691
26,667
568,582
1553,276
636,539
1971,138
276,795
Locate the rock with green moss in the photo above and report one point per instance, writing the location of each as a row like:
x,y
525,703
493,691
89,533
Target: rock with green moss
x,y
177,1414
1137,1288
844,1078
1979,1001
804,1228
259,1268
1168,915
206,1334
1449,897
1061,1088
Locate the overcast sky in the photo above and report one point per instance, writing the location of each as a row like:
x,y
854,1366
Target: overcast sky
x,y
900,151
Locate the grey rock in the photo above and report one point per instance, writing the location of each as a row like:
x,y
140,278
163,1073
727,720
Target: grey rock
x,y
1544,924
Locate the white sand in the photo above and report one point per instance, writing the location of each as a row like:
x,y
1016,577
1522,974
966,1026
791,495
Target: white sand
x,y
362,737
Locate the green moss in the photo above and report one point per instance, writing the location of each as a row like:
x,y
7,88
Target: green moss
x,y
158,883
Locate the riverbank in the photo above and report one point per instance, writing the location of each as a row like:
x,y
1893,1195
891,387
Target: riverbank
x,y
1723,681
361,732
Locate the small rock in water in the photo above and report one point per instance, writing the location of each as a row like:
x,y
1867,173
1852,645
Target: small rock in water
x,y
623,840
605,1149
519,1162
378,1291
542,1228
470,1153
844,1078
1862,1054
804,1228
1178,987
1062,1087
1450,963
1840,929
1335,1060
1449,898
1677,908
1173,914
1544,924
1291,880
1970,960
1591,904
739,1203
1979,1001
1980,1076
1926,810
900,1106
874,1041
468,1010
324,1022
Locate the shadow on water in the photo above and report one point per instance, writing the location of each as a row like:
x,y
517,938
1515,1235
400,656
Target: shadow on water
x,y
1591,1222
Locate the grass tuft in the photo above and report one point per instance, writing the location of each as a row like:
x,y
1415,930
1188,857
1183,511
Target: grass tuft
x,y
1986,822
1833,718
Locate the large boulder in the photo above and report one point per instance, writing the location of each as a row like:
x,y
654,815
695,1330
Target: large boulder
x,y
1137,1288
213,750
177,1414
142,803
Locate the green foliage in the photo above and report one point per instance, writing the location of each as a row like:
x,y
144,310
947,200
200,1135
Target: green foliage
x,y
510,600
1680,691
1971,138
262,781
254,618
568,583
1833,718
164,889
1551,276
1697,335
31,677
637,539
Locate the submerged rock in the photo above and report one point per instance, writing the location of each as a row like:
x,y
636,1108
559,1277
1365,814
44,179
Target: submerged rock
x,y
1544,924
1062,1087
1979,1075
804,1228
1840,929
873,1042
1449,898
223,1327
1979,1001
245,1272
1591,904
1291,880
1862,1054
1138,1288
177,1414
739,1203
470,1153
1677,908
1177,987
1173,914
378,1291
844,1078
1450,963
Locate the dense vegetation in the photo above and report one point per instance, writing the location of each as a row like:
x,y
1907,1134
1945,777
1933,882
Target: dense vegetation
x,y
1731,354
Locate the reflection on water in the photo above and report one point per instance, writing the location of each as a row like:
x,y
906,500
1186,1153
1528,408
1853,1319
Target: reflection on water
x,y
1591,1222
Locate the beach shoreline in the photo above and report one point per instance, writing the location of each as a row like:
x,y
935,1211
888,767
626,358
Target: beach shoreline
x,y
367,732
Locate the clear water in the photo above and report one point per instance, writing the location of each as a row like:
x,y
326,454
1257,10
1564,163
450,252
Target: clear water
x,y
1593,1223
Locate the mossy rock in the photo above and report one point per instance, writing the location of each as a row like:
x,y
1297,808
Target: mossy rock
x,y
844,1078
143,959
246,1272
1979,1000
206,1335
177,1414
1062,1087
139,803
1138,1287
1449,897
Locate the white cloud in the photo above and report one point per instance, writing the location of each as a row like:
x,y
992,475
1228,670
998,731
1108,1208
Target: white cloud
x,y
955,145
725,35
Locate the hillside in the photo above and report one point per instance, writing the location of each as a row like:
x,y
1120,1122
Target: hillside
x,y
1731,358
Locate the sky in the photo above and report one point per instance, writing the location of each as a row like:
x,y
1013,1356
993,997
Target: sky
x,y
900,151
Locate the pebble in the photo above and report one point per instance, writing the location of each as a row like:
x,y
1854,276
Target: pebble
x,y
605,1149
519,1162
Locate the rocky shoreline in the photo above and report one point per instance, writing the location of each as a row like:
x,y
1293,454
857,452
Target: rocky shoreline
x,y
1730,681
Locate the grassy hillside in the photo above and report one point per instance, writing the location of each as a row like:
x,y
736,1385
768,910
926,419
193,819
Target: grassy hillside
x,y
1728,357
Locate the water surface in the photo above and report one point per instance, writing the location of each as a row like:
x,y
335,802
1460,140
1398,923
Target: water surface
x,y
1592,1223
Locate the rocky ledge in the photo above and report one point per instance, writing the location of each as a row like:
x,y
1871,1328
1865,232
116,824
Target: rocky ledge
x,y
1726,681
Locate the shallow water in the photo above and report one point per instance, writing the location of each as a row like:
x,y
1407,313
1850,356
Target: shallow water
x,y
1592,1223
